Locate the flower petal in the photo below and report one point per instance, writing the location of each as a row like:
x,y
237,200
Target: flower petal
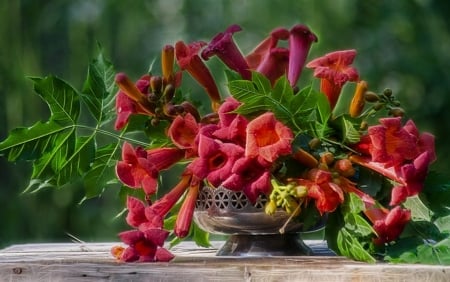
x,y
268,138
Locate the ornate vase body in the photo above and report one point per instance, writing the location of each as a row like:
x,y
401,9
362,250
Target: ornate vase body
x,y
252,231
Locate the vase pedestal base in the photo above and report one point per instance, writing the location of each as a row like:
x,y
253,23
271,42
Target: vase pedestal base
x,y
264,245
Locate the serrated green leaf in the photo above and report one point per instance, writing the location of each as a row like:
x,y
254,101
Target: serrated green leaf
x,y
369,181
323,108
49,163
416,250
349,133
282,90
425,229
358,225
335,222
63,164
350,247
257,97
77,161
443,223
102,170
262,82
403,250
62,99
418,210
321,116
429,254
305,100
41,138
353,204
28,143
99,89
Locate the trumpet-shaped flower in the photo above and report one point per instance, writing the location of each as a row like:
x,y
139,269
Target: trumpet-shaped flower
x,y
183,132
327,194
300,40
391,143
189,60
274,64
145,243
388,224
269,59
126,106
268,138
258,54
251,177
413,176
231,126
184,219
399,153
334,70
136,212
226,49
145,246
140,168
215,160
162,206
135,170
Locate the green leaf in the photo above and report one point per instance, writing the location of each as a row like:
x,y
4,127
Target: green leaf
x,y
358,225
349,133
418,210
257,96
404,250
59,152
416,250
423,229
62,99
102,170
305,100
350,247
370,182
41,138
99,89
443,223
29,143
321,116
261,82
429,254
200,237
353,204
335,223
232,75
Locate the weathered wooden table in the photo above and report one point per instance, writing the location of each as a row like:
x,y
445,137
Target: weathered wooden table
x,y
93,262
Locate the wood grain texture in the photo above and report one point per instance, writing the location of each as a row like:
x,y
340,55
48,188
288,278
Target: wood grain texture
x,y
93,262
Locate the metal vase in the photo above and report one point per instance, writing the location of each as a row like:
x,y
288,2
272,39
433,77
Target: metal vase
x,y
251,231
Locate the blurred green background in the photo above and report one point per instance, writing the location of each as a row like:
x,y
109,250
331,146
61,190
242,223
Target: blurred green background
x,y
404,45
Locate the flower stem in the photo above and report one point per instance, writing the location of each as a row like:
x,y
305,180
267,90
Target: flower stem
x,y
282,230
113,135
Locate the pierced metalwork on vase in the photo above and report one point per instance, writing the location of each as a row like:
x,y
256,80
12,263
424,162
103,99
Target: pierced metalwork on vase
x,y
222,198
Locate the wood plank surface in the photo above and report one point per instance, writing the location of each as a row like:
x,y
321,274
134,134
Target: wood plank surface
x,y
93,262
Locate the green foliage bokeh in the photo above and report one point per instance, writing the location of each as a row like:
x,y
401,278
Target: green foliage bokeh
x,y
403,45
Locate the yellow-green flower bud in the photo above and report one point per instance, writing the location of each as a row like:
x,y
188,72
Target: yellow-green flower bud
x,y
301,191
292,207
270,207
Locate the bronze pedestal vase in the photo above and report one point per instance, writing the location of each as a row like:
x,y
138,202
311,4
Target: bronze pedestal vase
x,y
251,231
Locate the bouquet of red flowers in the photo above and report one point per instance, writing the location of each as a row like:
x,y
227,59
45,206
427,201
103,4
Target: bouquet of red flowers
x,y
338,149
